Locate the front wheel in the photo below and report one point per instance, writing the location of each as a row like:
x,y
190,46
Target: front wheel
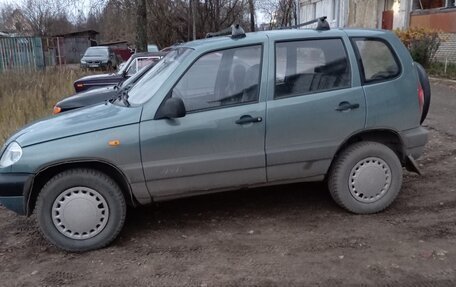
x,y
365,178
80,210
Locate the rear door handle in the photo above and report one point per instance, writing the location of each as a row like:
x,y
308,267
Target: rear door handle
x,y
345,106
247,119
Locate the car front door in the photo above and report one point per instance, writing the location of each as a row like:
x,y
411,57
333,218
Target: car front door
x,y
220,142
318,102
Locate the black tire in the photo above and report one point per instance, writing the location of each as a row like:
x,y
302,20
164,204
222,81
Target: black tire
x,y
106,191
426,85
348,167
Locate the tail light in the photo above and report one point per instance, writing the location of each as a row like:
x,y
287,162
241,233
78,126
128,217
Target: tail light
x,y
56,110
420,96
78,86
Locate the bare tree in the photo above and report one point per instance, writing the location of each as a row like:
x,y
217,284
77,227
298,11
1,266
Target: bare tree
x,y
252,15
141,26
42,14
270,9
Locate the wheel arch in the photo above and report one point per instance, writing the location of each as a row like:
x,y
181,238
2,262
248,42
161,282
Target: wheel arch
x,y
388,137
46,173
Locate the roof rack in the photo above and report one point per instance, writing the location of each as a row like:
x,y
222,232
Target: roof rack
x,y
235,31
322,25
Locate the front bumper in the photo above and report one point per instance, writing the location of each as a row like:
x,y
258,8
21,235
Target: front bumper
x,y
13,188
93,65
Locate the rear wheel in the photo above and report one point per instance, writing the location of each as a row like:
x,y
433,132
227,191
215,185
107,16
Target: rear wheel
x,y
365,178
80,210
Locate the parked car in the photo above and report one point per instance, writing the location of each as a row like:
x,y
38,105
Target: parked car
x,y
133,65
98,95
226,113
99,57
152,48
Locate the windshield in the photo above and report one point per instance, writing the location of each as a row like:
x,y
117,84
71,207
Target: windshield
x,y
96,52
135,77
149,84
125,66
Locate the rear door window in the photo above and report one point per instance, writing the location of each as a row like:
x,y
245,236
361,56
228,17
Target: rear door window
x,y
311,66
377,61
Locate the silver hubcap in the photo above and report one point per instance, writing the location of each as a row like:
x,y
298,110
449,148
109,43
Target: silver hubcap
x,y
370,179
80,213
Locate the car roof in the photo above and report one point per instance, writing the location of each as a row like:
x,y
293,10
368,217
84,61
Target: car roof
x,y
148,54
279,35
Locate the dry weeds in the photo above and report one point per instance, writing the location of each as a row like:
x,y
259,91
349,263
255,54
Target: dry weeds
x,y
27,96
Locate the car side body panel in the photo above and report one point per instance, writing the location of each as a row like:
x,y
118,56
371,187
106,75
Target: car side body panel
x,y
305,131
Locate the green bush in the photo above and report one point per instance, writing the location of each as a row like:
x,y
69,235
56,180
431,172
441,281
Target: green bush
x,y
422,43
438,69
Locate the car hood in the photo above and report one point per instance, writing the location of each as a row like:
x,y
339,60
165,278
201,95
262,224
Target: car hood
x,y
88,97
94,118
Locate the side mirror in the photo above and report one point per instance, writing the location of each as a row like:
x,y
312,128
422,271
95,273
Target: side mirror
x,y
172,108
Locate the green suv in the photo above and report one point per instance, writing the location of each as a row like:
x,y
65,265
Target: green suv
x,y
226,113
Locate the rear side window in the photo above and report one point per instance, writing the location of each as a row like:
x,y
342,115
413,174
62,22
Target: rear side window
x,y
310,66
377,60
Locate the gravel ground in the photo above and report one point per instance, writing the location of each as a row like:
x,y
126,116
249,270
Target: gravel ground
x,y
278,236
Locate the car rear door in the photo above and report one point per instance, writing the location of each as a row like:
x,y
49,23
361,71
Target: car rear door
x,y
220,142
317,103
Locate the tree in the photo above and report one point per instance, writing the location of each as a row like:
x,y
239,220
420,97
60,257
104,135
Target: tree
x,y
252,15
141,26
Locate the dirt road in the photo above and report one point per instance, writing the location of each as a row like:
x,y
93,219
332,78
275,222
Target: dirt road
x,y
286,235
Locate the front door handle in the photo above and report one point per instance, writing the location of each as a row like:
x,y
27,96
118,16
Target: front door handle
x,y
247,119
345,106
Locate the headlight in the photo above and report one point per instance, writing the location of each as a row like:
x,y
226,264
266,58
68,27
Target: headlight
x,y
83,62
12,154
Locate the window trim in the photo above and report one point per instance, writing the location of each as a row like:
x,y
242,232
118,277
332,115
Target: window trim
x,y
359,61
168,95
318,91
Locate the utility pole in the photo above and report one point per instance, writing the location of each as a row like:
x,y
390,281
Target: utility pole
x,y
192,5
189,16
298,11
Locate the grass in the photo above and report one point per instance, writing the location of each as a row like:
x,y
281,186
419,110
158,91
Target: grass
x,y
437,69
27,96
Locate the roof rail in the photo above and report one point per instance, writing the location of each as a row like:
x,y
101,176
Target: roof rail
x,y
235,31
321,26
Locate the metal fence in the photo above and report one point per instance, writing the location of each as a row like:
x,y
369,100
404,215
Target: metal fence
x,y
18,53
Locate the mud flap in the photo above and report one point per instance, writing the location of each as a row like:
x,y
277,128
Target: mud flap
x,y
411,165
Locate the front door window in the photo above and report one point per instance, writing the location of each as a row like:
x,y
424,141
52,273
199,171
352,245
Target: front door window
x,y
221,78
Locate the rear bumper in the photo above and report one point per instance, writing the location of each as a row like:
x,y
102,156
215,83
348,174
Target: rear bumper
x,y
414,141
13,188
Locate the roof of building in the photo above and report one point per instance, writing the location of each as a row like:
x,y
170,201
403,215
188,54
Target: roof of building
x,y
113,43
